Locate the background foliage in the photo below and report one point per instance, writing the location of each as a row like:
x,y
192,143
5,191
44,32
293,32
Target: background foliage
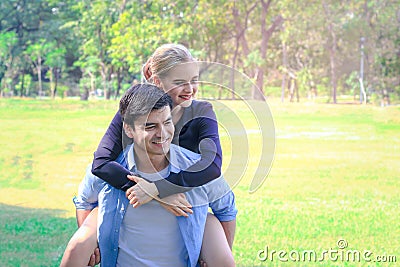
x,y
291,49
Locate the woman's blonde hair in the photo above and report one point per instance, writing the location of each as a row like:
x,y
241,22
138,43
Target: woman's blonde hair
x,y
163,59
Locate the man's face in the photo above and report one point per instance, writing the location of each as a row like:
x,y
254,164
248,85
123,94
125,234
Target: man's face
x,y
153,133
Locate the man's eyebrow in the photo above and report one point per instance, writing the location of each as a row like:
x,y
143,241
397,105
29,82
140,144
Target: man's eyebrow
x,y
147,124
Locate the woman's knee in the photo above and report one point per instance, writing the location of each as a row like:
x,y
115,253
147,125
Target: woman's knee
x,y
80,248
215,249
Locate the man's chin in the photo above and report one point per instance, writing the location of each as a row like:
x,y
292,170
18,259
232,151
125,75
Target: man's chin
x,y
166,149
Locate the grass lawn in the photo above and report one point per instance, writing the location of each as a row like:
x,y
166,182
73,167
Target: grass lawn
x,y
334,179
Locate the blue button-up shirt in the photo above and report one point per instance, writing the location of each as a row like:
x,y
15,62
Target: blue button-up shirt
x,y
113,203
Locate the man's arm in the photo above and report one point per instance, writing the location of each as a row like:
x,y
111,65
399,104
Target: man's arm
x,y
81,216
225,210
87,197
229,229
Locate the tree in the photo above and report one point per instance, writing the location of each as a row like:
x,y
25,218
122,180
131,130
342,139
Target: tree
x,y
97,19
89,68
8,41
241,28
55,60
37,53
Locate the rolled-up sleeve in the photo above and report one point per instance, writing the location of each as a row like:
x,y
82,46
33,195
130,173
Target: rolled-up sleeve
x,y
224,208
89,188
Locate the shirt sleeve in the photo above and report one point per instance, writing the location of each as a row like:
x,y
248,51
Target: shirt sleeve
x,y
208,167
104,163
205,170
224,208
89,188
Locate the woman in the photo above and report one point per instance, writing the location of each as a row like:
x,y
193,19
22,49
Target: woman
x,y
173,69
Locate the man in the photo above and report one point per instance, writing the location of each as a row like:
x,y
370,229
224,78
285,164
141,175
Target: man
x,y
149,235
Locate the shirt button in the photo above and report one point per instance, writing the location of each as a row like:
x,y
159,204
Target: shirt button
x,y
116,230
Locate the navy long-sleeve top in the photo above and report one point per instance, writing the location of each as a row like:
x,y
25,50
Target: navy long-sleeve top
x,y
197,130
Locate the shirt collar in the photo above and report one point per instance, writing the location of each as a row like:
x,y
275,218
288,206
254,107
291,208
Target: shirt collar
x,y
130,159
175,158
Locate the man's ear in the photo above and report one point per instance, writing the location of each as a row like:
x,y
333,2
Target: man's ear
x,y
128,130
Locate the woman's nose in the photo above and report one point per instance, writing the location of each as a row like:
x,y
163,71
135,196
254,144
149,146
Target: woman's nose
x,y
189,87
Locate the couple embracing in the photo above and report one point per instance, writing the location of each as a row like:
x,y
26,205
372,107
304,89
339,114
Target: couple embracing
x,y
145,199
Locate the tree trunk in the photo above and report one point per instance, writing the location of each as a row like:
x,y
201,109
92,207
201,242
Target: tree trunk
x,y
241,30
56,81
22,84
109,84
233,96
332,51
291,90
104,77
284,76
85,95
385,98
119,81
51,83
221,82
266,35
257,73
92,82
258,92
39,69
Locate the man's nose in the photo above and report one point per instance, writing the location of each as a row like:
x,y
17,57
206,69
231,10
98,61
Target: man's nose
x,y
162,132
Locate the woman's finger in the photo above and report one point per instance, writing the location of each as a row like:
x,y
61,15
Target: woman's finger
x,y
185,203
133,178
133,201
186,209
180,212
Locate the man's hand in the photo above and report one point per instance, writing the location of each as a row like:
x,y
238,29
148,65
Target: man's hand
x,y
202,263
177,204
142,192
95,258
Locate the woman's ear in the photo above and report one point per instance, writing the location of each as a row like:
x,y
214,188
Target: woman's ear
x,y
157,81
128,130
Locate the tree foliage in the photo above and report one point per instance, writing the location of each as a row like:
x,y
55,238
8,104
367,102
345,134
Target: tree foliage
x,y
312,47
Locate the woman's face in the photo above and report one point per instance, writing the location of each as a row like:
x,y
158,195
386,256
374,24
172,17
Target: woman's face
x,y
181,83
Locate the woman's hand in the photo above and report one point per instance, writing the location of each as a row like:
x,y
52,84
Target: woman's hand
x,y
142,192
95,258
177,204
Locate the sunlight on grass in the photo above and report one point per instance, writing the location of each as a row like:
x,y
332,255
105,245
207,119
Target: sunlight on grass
x,y
335,176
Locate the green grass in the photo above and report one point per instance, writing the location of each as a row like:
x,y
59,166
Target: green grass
x,y
335,176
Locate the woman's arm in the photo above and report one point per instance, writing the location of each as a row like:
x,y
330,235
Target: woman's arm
x,y
104,165
209,167
204,171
